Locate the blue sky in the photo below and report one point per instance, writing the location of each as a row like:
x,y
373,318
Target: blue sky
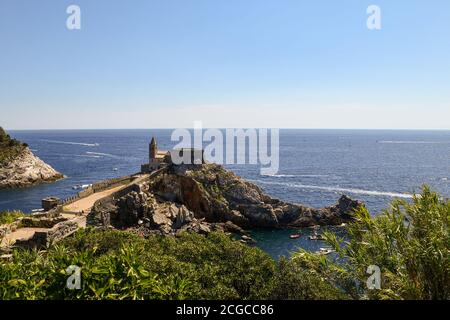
x,y
233,63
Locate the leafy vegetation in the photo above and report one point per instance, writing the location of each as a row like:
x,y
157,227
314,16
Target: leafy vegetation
x,y
9,148
7,217
409,242
120,265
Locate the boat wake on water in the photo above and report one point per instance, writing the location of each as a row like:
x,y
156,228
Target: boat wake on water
x,y
296,175
86,156
338,189
73,143
101,154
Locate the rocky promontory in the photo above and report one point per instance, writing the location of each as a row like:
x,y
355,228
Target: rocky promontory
x,y
19,167
203,198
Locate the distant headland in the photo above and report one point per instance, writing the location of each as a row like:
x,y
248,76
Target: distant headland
x,y
19,167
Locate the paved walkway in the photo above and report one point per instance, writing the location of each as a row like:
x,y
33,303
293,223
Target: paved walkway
x,y
85,204
69,212
22,233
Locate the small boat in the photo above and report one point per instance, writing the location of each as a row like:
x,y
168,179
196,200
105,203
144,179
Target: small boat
x,y
115,169
316,237
325,251
294,236
81,186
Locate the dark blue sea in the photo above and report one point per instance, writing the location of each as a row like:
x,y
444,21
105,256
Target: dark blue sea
x,y
316,167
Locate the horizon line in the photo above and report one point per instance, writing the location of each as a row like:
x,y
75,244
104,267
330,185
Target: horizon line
x,y
224,128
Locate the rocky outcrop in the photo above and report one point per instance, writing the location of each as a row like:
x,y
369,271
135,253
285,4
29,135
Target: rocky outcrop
x,y
208,197
144,210
26,169
218,195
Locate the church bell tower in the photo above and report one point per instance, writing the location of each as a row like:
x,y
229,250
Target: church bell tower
x,y
153,149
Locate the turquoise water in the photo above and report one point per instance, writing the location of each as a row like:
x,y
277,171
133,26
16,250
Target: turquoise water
x,y
277,242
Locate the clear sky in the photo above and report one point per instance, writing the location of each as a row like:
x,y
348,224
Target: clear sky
x,y
228,63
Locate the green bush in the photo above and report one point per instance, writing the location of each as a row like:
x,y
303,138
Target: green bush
x,y
410,243
7,217
9,148
120,265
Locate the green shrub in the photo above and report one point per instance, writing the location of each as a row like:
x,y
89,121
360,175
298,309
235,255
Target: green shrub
x,y
9,148
7,217
120,265
296,281
410,243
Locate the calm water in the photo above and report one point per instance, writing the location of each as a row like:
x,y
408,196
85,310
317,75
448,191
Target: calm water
x,y
316,167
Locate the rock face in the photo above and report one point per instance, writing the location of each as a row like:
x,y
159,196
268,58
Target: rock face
x,y
207,197
143,210
26,169
215,194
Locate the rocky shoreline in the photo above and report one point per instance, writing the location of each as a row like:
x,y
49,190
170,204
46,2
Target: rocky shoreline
x,y
208,198
25,170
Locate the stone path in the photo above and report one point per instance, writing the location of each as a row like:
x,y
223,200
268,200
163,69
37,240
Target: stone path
x,y
85,204
70,212
22,233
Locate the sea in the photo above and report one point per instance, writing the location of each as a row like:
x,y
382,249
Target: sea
x,y
315,168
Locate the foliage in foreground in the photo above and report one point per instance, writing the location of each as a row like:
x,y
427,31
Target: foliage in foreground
x,y
410,243
121,265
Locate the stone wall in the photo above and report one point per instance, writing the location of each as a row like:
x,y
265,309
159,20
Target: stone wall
x,y
43,239
43,222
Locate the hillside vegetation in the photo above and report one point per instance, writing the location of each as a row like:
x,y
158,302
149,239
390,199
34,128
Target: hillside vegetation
x,y
9,148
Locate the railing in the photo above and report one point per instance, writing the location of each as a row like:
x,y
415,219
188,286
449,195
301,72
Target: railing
x,y
132,187
97,187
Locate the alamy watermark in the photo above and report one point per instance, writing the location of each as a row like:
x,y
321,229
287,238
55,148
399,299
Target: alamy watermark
x,y
73,21
229,146
74,280
374,280
374,20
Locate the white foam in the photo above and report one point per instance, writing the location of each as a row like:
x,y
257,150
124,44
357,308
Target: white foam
x,y
101,154
344,190
74,143
296,175
86,156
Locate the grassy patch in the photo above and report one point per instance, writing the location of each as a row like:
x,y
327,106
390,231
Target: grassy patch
x,y
7,217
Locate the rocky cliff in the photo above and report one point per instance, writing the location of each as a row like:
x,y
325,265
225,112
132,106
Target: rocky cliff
x,y
19,167
208,197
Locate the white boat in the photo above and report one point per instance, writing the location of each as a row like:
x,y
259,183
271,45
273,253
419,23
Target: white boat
x,y
316,237
81,186
325,251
